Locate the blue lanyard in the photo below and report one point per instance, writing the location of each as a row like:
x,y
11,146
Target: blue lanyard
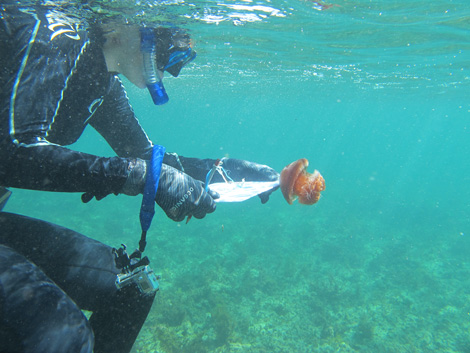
x,y
147,209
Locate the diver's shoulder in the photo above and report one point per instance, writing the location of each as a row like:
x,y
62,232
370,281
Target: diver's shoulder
x,y
44,25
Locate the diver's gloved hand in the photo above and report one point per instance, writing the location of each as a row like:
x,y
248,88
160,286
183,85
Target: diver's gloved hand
x,y
180,195
239,170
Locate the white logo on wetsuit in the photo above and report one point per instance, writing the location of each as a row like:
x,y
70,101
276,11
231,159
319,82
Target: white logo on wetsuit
x,y
60,24
95,105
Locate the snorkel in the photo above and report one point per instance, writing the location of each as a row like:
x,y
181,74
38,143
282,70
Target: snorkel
x,y
152,78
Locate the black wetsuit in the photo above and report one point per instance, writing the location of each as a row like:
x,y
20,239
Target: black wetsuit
x,y
53,83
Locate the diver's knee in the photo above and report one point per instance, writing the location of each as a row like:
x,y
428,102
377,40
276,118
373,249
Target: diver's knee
x,y
39,316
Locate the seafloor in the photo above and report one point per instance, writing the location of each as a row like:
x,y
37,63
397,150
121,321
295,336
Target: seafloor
x,y
363,284
339,276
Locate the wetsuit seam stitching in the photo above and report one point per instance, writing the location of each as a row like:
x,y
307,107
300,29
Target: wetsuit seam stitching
x,y
18,79
77,59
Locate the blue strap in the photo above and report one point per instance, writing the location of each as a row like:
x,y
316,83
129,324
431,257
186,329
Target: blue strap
x,y
147,210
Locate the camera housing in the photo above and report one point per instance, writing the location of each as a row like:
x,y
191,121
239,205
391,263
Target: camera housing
x,y
143,277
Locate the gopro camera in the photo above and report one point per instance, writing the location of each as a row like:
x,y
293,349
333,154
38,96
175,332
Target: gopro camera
x,y
143,277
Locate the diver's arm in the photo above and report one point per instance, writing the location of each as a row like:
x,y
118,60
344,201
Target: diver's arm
x,y
195,167
237,169
116,122
54,168
38,65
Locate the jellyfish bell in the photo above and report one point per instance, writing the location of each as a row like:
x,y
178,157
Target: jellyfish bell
x,y
296,182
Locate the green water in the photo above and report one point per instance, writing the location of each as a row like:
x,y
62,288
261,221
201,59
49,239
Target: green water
x,y
375,95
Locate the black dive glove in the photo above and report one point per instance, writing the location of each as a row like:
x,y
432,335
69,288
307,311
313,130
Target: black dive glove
x,y
180,195
236,169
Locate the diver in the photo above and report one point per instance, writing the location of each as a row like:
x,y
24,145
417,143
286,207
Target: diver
x,y
57,77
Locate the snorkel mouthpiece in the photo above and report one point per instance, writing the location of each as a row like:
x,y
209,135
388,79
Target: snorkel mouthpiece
x,y
152,79
158,93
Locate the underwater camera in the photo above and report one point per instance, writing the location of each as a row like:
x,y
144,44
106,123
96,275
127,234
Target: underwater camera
x,y
143,277
135,271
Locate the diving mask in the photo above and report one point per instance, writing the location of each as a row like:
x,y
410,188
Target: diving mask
x,y
178,59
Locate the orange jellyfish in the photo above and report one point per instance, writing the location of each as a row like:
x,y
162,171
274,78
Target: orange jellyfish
x,y
296,182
